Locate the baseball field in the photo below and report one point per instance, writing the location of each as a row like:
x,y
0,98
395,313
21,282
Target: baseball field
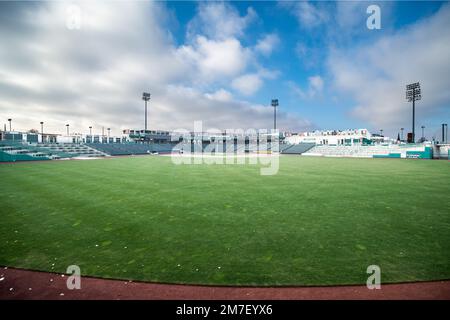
x,y
319,221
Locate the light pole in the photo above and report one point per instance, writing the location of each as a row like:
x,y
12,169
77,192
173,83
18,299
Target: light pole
x,y
381,132
146,97
401,129
274,105
444,133
413,93
42,131
90,130
109,131
9,120
67,125
423,133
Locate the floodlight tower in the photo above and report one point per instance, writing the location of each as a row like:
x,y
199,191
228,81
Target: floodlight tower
x,y
401,129
67,125
413,93
146,97
9,120
109,132
274,105
423,133
90,130
444,133
42,131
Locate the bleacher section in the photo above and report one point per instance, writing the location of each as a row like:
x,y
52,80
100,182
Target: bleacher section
x,y
14,151
373,151
297,148
221,148
122,149
70,150
11,152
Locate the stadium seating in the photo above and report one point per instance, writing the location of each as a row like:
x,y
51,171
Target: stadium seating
x,y
296,148
70,150
120,149
11,152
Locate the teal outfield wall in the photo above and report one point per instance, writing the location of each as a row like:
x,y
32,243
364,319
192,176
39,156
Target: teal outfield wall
x,y
6,157
390,155
426,154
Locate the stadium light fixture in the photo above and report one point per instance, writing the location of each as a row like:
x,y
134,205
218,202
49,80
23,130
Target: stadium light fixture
x,y
274,105
90,130
67,125
401,129
146,97
109,132
423,133
413,94
9,120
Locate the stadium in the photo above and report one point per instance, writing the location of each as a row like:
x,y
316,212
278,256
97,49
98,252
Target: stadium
x,y
144,211
143,218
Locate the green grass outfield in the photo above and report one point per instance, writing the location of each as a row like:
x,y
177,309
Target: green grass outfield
x,y
319,221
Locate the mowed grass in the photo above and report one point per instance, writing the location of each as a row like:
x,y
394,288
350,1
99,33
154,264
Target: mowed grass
x,y
319,221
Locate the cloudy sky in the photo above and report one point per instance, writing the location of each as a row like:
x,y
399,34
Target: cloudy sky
x,y
86,63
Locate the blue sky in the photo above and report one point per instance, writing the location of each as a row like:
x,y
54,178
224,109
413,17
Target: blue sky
x,y
273,17
222,62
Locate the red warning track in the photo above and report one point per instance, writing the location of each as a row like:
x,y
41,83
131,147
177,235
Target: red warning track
x,y
33,285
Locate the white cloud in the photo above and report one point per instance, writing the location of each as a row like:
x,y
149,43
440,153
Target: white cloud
x,y
350,14
96,75
315,88
225,114
220,20
316,84
375,75
247,84
220,95
214,59
309,15
267,44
